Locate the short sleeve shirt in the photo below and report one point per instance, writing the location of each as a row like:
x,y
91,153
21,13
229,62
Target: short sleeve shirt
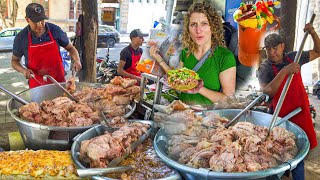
x,y
20,45
221,60
126,55
265,72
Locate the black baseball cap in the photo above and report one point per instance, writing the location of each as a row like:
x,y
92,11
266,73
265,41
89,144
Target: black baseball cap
x,y
273,40
35,12
137,33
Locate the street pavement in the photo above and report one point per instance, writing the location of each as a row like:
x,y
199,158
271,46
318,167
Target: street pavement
x,y
16,83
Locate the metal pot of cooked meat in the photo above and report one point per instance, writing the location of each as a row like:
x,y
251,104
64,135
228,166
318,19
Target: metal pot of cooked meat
x,y
213,161
140,154
51,135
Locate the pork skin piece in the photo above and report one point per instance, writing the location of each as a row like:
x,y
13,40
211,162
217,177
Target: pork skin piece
x,y
117,80
243,129
71,85
114,111
82,108
102,149
121,99
115,89
134,89
128,82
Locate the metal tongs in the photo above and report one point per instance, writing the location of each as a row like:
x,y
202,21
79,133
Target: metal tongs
x,y
288,82
100,171
259,99
45,78
17,98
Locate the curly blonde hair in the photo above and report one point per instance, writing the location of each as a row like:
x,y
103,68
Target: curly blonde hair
x,y
216,26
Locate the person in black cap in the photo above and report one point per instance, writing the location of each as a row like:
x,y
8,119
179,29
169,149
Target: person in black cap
x,y
273,74
39,43
130,56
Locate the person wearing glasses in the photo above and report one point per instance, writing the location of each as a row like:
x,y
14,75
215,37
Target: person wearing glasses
x,y
130,56
39,43
203,41
273,74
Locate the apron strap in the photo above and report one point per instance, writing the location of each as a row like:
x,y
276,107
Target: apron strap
x,y
202,61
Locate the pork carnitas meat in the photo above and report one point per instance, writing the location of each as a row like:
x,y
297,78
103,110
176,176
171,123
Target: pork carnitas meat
x,y
243,147
101,150
62,111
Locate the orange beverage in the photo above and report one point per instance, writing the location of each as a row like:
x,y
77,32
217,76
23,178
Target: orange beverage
x,y
251,40
249,44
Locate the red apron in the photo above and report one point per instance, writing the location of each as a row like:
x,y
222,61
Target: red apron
x,y
44,59
296,97
135,59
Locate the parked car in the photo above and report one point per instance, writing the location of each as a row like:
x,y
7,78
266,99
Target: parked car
x,y
7,37
316,89
108,36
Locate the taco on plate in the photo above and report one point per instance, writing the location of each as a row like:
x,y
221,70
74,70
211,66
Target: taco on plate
x,y
183,79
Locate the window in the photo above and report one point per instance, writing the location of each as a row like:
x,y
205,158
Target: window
x,y
45,4
7,33
71,10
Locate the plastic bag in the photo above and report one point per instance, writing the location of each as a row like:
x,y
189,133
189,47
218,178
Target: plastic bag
x,y
169,45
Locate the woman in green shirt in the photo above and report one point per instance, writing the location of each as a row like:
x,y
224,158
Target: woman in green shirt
x,y
203,30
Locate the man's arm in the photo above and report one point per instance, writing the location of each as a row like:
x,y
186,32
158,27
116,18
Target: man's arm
x,y
16,65
122,72
75,56
315,52
272,88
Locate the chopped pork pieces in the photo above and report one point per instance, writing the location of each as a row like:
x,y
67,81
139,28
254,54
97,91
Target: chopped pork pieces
x,y
62,111
243,147
101,150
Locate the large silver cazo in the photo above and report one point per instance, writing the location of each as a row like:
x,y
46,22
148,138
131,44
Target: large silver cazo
x,y
36,136
257,118
99,130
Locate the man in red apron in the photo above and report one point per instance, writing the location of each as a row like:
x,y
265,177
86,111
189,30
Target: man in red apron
x,y
130,56
273,74
39,43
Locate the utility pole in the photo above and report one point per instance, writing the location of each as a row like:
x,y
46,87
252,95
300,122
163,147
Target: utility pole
x,y
288,23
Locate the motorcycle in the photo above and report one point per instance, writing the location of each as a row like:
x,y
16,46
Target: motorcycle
x,y
106,69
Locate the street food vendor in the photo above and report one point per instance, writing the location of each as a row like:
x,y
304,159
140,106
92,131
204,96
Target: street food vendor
x,y
273,74
203,32
39,43
130,56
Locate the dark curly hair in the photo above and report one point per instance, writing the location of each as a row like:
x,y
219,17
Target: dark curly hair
x,y
215,22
